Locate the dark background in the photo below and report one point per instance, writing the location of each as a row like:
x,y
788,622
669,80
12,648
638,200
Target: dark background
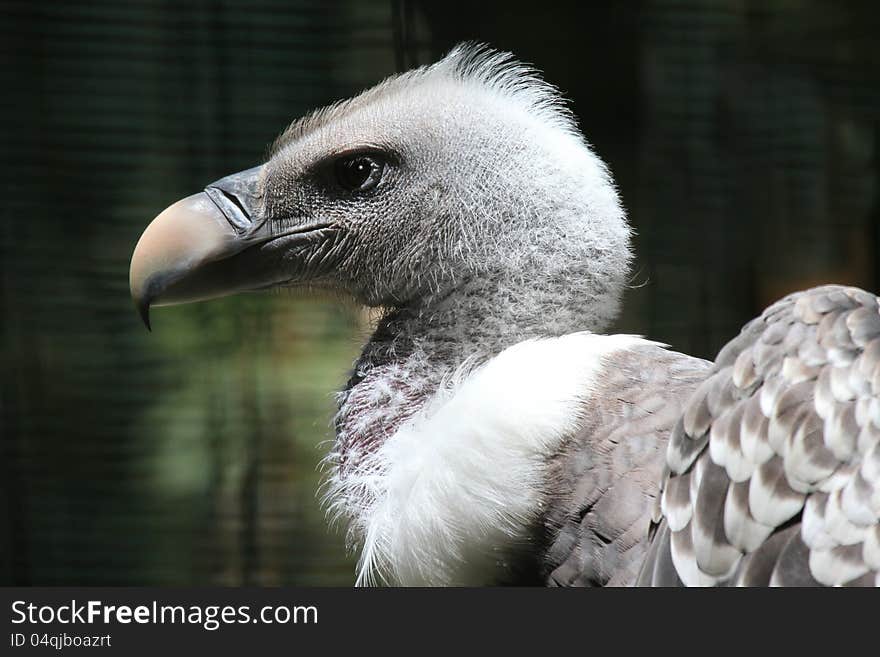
x,y
743,134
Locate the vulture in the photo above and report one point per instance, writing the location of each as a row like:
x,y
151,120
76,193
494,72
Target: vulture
x,y
490,431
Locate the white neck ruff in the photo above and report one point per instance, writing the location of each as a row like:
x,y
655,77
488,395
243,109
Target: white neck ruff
x,y
459,484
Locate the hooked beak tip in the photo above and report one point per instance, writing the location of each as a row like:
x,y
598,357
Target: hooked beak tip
x,y
143,308
184,237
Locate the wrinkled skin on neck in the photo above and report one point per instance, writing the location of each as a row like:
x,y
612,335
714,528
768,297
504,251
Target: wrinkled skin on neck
x,y
415,349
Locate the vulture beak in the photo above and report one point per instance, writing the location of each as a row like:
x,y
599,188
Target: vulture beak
x,y
211,244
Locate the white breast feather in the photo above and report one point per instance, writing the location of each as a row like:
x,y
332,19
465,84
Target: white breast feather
x,y
459,483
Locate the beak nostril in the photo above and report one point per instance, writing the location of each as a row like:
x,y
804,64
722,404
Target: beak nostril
x,y
236,196
231,206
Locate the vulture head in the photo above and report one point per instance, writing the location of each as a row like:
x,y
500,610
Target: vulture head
x,y
439,190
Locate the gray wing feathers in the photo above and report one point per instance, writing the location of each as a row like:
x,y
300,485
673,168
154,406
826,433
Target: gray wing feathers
x,y
605,482
659,569
773,472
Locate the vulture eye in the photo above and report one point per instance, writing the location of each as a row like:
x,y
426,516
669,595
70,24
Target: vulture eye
x,y
359,173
